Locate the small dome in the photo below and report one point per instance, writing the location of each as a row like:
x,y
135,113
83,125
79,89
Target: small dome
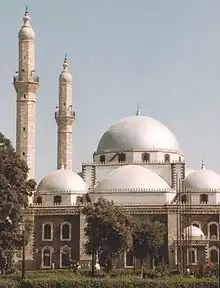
x,y
140,133
26,33
203,179
193,231
65,76
132,177
61,181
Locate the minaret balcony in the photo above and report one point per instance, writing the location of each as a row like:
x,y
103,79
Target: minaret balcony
x,y
65,114
32,79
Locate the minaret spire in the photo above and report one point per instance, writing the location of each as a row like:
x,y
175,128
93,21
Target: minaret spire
x,y
138,112
26,18
65,63
65,117
26,84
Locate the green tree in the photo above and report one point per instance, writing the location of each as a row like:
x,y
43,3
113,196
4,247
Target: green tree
x,y
107,231
148,240
14,192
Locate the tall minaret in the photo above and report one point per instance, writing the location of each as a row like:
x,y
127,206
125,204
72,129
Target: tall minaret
x,y
26,84
65,117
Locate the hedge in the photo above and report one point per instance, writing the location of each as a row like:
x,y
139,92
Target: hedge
x,y
134,282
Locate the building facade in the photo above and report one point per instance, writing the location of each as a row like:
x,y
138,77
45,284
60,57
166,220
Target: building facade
x,y
138,164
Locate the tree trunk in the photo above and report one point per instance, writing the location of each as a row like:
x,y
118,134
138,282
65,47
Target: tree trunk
x,y
142,268
109,264
93,262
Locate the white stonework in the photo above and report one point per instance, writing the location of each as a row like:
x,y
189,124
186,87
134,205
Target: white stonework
x,y
65,117
26,85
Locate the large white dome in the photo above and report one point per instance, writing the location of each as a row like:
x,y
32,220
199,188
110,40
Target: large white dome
x,y
137,133
132,177
203,179
61,181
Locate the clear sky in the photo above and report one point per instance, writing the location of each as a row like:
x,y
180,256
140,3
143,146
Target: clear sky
x,y
163,54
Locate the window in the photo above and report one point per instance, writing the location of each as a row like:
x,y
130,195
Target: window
x,y
192,255
65,231
57,200
47,232
213,231
121,157
204,199
183,199
65,256
46,257
214,254
23,128
146,157
180,160
167,158
129,259
24,96
102,159
39,200
23,153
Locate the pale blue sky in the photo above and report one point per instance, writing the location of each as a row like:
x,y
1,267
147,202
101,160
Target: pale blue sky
x,y
164,54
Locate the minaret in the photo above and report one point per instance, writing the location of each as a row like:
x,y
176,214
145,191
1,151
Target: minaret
x,y
65,117
26,84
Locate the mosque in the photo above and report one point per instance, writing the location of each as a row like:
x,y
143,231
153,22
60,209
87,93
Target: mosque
x,y
138,164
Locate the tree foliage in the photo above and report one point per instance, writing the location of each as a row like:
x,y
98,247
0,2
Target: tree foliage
x,y
14,192
148,239
107,230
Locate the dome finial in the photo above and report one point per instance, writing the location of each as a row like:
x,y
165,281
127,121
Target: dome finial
x,y
202,165
26,18
138,113
65,63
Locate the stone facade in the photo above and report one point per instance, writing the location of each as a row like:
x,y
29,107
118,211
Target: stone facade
x,y
61,248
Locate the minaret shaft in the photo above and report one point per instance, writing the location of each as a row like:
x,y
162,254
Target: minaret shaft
x,y
26,85
65,117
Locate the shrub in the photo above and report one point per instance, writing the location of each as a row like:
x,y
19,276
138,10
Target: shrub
x,y
8,283
108,282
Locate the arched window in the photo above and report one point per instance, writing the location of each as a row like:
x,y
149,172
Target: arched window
x,y
180,159
183,199
121,158
102,159
213,230
204,198
167,158
39,200
47,232
192,256
146,157
66,231
65,256
57,200
46,257
129,259
214,254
